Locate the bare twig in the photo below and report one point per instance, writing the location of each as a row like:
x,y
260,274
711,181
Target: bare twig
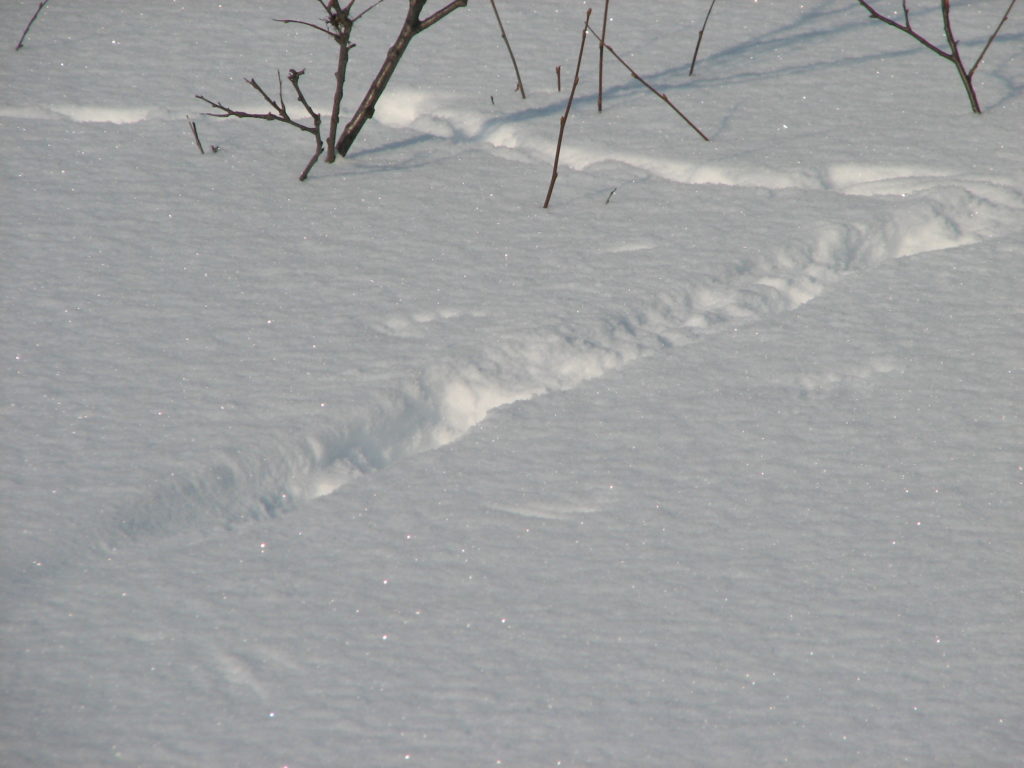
x,y
953,54
700,37
24,34
279,113
600,60
568,106
649,87
195,134
992,37
515,65
558,77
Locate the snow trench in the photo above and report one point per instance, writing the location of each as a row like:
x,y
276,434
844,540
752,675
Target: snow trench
x,y
929,212
445,402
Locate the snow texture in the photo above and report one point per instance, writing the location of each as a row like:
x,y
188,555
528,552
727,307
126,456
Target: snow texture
x,y
717,461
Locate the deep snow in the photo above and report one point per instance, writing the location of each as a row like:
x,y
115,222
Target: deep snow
x,y
393,467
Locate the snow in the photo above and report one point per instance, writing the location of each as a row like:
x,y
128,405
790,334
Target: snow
x,y
717,461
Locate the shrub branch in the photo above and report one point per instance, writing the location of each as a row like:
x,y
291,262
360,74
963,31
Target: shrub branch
x,y
568,106
953,54
279,112
24,34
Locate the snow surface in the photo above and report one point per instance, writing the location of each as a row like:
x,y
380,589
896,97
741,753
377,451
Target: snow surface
x,y
717,461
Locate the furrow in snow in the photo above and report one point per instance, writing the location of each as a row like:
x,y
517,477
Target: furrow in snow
x,y
448,400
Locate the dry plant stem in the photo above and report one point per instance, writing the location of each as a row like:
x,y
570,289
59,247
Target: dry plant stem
x,y
413,26
195,134
700,37
279,113
568,106
953,54
558,77
600,60
649,87
999,26
24,34
515,65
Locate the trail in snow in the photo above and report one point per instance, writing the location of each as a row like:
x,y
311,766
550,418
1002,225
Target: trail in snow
x,y
931,210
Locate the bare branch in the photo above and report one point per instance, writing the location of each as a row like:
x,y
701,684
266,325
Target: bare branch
x,y
436,16
280,113
195,134
953,54
24,34
600,60
906,28
649,87
568,106
501,27
700,37
306,24
362,13
413,26
992,37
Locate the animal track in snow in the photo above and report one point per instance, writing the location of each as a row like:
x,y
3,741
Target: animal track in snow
x,y
931,210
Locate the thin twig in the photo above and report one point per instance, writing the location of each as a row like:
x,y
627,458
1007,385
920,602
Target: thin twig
x,y
558,77
600,60
568,106
991,38
515,66
280,112
362,13
306,24
650,87
195,134
700,37
21,40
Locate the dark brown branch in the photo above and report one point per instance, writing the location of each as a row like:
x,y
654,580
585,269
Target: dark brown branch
x,y
413,26
279,113
992,37
906,28
293,78
24,34
650,87
568,106
306,24
360,15
501,27
436,16
341,21
600,60
953,54
195,134
700,37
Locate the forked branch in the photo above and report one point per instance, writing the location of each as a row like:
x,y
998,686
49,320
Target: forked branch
x,y
952,55
279,112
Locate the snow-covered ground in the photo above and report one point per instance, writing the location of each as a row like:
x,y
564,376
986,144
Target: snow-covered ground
x,y
717,461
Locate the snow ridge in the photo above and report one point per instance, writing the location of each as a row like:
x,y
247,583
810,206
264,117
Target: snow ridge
x,y
447,401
